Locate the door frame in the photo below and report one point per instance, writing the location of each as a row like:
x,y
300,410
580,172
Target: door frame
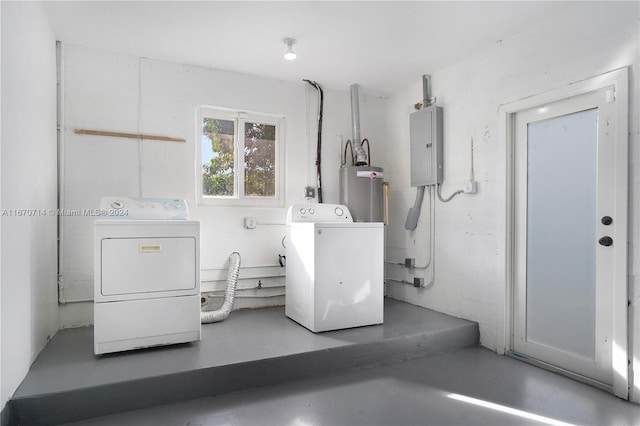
x,y
619,79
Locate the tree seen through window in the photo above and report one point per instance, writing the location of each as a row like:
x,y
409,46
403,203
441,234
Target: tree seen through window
x,y
218,172
258,143
259,160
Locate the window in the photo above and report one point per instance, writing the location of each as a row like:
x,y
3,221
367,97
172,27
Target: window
x,y
239,158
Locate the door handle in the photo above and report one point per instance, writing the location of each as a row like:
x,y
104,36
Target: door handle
x,y
605,241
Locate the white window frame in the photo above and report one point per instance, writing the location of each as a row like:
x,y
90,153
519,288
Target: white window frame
x,y
240,118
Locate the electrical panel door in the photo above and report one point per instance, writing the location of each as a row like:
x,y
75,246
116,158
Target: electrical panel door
x,y
425,133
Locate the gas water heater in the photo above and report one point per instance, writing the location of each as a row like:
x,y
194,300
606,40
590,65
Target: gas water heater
x,y
361,184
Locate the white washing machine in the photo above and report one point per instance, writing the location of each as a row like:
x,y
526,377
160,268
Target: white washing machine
x,y
146,274
334,274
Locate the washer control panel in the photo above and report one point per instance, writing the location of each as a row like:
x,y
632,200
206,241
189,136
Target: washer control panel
x,y
143,208
319,213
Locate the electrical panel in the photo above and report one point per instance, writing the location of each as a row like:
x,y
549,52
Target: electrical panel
x,y
425,134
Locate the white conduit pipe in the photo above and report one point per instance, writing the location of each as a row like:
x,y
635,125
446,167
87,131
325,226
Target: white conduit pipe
x,y
223,312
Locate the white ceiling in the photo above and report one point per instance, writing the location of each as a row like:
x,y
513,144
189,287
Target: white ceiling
x,y
382,45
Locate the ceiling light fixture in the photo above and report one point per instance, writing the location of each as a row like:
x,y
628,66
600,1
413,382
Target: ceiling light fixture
x,y
289,55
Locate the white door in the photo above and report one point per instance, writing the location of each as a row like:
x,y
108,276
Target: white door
x,y
566,246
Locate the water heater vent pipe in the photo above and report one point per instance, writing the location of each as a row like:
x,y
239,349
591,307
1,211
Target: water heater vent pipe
x,y
361,155
426,91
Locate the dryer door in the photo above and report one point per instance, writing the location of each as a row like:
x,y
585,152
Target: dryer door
x,y
147,265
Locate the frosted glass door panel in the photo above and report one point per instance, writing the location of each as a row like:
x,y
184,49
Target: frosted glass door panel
x,y
569,235
561,232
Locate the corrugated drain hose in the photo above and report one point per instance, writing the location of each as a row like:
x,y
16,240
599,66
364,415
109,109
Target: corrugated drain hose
x,y
229,295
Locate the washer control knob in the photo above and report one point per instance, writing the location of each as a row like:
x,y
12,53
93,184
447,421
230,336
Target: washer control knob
x,y
339,211
310,211
117,204
302,211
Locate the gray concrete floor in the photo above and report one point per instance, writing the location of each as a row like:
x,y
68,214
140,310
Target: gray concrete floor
x,y
251,349
68,363
471,386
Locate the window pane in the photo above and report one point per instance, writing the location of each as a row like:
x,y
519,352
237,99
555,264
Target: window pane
x,y
259,160
217,157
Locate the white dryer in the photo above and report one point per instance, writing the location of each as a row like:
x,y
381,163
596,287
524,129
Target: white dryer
x,y
146,274
334,276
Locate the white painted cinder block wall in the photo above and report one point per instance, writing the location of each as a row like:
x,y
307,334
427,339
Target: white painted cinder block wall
x,y
470,234
29,314
113,92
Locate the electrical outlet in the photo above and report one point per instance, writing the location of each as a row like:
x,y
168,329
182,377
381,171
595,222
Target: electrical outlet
x,y
309,192
418,282
470,187
409,262
250,222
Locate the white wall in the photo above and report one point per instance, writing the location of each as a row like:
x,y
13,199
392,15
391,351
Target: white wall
x,y
29,181
470,236
114,92
107,91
